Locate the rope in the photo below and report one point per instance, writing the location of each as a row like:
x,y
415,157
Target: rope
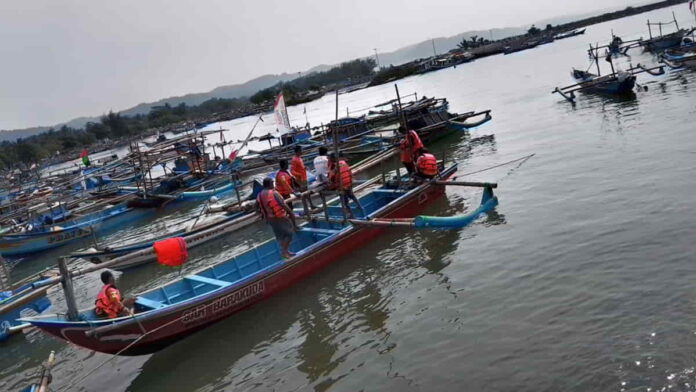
x,y
522,160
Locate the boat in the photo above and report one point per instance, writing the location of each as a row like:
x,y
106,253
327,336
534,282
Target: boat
x,y
45,378
615,83
141,252
620,82
175,310
54,235
20,300
569,34
520,47
664,41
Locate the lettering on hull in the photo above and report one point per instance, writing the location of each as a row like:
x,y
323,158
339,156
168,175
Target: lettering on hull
x,y
233,300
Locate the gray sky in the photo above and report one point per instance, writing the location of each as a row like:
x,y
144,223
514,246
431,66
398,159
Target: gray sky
x,y
64,59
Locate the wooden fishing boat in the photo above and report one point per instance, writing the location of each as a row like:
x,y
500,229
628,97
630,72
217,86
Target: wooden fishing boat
x,y
53,236
20,300
664,41
615,83
175,310
141,252
569,34
618,83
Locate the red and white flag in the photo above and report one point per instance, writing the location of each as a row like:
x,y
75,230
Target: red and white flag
x,y
281,114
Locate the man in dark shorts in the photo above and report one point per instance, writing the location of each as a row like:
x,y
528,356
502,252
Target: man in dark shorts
x,y
278,215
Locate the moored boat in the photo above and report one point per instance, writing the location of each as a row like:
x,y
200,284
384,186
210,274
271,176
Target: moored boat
x,y
175,310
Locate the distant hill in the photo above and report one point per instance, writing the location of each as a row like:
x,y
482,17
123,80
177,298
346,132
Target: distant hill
x,y
403,55
442,44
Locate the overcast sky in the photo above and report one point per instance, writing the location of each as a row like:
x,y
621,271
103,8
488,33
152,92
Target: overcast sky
x,y
61,59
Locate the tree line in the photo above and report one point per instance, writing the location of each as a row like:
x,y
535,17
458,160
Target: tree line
x,y
66,142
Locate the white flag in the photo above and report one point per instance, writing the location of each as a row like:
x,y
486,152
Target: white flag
x,y
281,114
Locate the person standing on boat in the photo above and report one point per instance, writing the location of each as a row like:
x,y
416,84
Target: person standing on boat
x,y
299,173
409,146
108,303
426,164
278,215
321,166
284,180
341,180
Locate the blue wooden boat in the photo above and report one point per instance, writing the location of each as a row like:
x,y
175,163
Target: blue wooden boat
x,y
55,235
618,83
21,301
210,230
188,304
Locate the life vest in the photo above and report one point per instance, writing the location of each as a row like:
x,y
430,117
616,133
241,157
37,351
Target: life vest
x,y
345,174
297,169
103,304
427,164
283,183
270,208
409,146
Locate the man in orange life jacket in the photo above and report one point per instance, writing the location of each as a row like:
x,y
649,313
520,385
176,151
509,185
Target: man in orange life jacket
x,y
426,165
409,146
278,215
299,173
108,303
341,179
284,181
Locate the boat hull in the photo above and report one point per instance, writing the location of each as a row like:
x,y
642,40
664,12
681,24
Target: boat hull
x,y
176,322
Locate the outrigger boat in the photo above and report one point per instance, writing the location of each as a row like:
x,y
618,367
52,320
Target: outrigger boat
x,y
177,309
664,41
55,235
19,299
615,83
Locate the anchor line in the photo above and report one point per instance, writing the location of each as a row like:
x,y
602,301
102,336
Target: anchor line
x,y
521,160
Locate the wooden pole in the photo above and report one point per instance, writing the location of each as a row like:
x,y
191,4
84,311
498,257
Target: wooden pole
x,y
46,373
67,284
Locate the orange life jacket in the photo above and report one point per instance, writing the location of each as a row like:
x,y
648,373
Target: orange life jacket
x,y
297,169
103,304
409,146
283,183
270,208
427,164
345,174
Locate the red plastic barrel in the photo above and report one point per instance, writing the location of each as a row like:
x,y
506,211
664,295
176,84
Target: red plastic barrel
x,y
171,251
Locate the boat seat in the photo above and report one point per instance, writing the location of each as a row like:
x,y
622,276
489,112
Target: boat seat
x,y
203,279
149,303
319,231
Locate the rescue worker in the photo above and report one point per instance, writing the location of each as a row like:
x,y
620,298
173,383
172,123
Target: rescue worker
x,y
299,173
278,215
409,146
426,165
341,179
284,180
108,303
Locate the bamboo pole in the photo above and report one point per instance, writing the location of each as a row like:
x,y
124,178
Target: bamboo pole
x,y
68,290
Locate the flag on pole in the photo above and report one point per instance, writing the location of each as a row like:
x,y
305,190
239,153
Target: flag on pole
x,y
692,7
281,114
85,158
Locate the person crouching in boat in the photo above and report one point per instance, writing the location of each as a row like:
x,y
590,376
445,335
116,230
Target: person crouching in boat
x,y
426,165
108,303
299,173
409,146
278,215
341,180
284,181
